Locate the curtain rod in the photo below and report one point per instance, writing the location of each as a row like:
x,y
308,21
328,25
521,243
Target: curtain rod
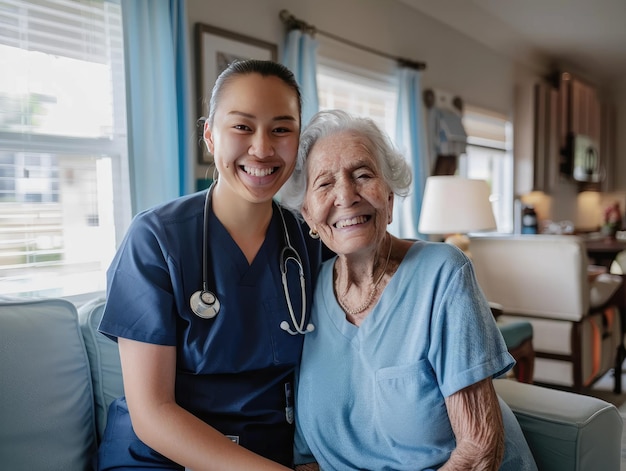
x,y
294,23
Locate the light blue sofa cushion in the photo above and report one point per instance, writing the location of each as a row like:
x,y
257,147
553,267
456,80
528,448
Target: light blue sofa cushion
x,y
565,431
104,358
46,402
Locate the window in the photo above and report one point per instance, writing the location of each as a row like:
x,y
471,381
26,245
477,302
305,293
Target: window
x,y
488,157
363,94
64,195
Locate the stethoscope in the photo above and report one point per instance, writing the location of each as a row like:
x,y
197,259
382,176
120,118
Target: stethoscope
x,y
204,303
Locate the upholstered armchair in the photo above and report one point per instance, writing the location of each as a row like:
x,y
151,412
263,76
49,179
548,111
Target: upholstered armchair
x,y
518,336
544,279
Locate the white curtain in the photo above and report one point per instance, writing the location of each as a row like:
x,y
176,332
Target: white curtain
x,y
300,55
411,139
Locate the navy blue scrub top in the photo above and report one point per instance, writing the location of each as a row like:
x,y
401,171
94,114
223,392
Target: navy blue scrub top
x,y
234,371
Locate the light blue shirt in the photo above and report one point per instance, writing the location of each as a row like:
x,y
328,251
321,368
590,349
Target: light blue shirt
x,y
373,397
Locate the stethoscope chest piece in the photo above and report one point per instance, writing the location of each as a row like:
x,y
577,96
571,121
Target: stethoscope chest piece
x,y
204,304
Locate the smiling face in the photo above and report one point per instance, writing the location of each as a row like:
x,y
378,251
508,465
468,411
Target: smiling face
x,y
347,201
254,136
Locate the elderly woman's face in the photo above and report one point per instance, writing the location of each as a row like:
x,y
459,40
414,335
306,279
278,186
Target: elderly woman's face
x,y
347,200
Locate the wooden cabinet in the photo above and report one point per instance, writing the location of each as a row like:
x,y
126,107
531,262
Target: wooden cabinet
x,y
548,113
536,143
608,146
582,117
579,109
584,110
546,159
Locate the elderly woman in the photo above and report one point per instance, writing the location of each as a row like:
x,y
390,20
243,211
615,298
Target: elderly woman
x,y
397,374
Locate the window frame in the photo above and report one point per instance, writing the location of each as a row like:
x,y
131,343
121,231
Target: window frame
x,y
113,147
364,77
495,136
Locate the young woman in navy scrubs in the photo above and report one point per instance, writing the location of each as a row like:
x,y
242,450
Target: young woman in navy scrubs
x,y
210,387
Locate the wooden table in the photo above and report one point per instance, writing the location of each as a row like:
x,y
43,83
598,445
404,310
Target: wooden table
x,y
603,251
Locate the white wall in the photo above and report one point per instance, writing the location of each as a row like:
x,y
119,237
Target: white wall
x,y
455,63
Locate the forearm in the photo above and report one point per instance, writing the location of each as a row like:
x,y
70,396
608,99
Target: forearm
x,y
190,442
149,373
477,424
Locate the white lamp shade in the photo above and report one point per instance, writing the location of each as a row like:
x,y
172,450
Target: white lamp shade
x,y
455,205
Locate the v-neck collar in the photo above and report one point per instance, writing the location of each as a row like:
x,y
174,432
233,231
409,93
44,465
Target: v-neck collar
x,y
380,311
225,251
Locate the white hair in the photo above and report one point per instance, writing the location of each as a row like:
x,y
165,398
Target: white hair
x,y
396,172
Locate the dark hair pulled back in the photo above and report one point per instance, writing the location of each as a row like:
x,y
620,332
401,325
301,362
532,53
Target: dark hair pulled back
x,y
252,66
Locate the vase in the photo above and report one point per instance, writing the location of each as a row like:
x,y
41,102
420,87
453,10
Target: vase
x,y
608,231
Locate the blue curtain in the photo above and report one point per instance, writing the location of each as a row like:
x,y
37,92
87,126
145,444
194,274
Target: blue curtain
x,y
300,55
410,138
157,68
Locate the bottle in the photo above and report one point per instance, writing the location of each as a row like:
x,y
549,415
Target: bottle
x,y
529,220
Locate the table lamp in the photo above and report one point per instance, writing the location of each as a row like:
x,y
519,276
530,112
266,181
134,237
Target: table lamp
x,y
455,206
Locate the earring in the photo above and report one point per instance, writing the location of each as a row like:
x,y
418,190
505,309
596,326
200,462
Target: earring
x,y
313,233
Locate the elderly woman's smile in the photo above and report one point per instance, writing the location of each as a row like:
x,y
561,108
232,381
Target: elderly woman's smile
x,y
351,222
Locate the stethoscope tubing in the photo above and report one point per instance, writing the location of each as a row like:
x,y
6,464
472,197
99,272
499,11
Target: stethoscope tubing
x,y
205,303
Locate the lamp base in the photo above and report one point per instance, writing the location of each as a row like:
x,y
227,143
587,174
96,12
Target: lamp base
x,y
461,241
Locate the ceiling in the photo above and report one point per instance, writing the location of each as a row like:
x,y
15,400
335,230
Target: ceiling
x,y
587,35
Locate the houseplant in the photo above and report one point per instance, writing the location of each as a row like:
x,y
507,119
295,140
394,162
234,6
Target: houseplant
x,y
612,220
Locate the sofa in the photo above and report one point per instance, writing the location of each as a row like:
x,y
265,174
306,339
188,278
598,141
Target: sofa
x,y
546,280
59,375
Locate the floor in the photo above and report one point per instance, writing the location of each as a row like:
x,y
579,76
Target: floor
x,y
603,388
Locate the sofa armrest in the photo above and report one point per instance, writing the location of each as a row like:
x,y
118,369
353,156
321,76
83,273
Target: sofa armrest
x,y
104,361
565,431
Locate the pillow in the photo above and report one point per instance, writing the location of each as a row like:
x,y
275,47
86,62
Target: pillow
x,y
602,288
619,264
104,359
46,406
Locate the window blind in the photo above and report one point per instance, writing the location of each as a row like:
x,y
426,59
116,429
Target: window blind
x,y
484,127
365,94
488,157
78,30
64,197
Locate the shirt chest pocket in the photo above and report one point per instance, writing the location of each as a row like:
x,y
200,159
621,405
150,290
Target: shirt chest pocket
x,y
409,407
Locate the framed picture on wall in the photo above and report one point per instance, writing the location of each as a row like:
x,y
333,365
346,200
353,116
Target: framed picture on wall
x,y
215,49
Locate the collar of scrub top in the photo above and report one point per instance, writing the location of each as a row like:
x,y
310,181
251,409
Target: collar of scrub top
x,y
205,304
